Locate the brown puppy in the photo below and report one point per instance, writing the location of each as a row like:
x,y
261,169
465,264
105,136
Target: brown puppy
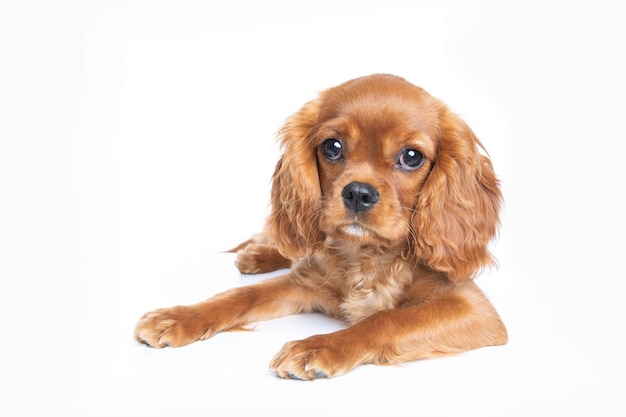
x,y
383,206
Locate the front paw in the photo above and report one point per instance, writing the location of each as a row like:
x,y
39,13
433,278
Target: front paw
x,y
174,327
321,356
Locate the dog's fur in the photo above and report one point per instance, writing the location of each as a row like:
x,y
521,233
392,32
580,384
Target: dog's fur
x,y
383,206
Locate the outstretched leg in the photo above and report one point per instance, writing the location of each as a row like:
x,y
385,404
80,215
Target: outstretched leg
x,y
181,325
449,325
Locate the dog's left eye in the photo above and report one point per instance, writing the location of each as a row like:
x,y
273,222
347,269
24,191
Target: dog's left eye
x,y
332,149
410,159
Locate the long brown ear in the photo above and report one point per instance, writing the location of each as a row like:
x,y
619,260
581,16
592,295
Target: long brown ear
x,y
296,195
458,209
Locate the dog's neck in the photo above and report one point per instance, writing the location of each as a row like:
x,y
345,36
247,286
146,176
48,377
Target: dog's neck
x,y
367,278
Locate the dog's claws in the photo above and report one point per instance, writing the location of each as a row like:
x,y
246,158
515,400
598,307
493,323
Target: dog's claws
x,y
293,376
320,374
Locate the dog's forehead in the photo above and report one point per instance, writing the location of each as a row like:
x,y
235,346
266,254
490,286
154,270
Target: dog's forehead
x,y
382,102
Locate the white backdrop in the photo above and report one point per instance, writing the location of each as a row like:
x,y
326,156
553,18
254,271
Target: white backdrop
x,y
137,142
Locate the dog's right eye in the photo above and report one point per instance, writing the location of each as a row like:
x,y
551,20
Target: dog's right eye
x,y
332,149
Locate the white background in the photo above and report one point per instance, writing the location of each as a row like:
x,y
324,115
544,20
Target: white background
x,y
137,142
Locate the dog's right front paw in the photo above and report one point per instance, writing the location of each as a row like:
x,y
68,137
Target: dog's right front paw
x,y
171,327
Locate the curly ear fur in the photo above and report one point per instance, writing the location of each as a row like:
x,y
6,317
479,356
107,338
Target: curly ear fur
x,y
458,209
296,194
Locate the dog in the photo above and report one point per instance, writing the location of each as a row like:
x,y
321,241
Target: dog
x,y
383,205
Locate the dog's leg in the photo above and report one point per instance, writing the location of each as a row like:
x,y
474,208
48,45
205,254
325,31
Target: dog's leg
x,y
181,325
259,255
257,258
449,325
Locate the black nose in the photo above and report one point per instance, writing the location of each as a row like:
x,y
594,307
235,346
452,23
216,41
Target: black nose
x,y
358,196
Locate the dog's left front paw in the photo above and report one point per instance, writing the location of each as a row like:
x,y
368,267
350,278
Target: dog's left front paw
x,y
321,356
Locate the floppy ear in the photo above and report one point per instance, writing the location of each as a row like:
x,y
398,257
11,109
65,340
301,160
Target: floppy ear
x,y
458,209
296,194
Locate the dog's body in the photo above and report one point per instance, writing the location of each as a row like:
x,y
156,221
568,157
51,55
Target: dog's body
x,y
383,207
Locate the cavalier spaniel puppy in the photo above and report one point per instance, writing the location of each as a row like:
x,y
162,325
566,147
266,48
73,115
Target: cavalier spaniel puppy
x,y
383,206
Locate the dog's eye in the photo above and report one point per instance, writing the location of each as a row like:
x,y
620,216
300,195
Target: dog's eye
x,y
410,159
332,149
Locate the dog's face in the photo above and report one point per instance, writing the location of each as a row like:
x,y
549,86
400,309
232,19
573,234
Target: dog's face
x,y
374,145
378,161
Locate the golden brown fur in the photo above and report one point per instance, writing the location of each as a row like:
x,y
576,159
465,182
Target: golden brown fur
x,y
383,206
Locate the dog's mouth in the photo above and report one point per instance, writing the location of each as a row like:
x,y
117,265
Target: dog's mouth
x,y
354,230
357,232
379,226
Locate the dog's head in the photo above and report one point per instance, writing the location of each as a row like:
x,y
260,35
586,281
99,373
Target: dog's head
x,y
378,161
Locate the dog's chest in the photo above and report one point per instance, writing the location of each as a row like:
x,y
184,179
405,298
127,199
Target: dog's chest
x,y
372,284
